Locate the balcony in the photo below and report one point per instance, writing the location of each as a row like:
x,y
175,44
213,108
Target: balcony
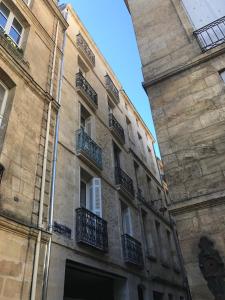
x,y
211,35
88,150
91,230
111,89
85,90
132,251
124,183
116,128
85,50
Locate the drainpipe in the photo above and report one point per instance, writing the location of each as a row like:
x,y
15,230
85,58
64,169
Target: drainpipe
x,y
52,196
181,260
41,205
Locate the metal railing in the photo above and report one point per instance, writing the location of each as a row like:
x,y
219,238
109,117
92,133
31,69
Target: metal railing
x,y
211,35
91,229
84,144
132,250
115,125
111,88
83,46
124,180
84,85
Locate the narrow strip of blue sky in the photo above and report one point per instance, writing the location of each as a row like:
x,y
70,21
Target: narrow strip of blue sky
x,y
109,24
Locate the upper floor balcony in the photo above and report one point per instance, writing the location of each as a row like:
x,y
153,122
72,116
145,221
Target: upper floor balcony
x,y
86,91
116,128
111,89
124,183
91,230
132,251
88,150
85,50
211,35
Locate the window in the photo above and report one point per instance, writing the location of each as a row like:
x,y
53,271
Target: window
x,y
10,24
136,172
90,193
3,101
149,243
170,296
85,121
126,219
130,131
140,292
116,152
222,74
158,296
2,169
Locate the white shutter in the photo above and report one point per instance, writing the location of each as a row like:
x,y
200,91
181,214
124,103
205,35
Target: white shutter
x,y
203,12
126,218
88,126
97,197
3,100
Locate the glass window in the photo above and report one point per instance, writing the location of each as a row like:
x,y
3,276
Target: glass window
x,y
4,14
15,31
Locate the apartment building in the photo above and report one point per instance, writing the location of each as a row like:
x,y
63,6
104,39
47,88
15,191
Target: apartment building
x,y
182,48
112,235
30,51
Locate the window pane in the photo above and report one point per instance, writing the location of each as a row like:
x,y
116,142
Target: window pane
x,y
15,31
14,35
4,13
17,26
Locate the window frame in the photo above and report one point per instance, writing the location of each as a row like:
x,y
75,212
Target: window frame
x,y
4,102
9,25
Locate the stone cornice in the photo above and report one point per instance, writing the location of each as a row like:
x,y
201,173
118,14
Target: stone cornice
x,y
196,203
22,70
18,227
54,7
179,69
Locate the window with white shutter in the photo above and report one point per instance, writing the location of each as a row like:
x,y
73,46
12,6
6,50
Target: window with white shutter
x,y
3,101
96,197
126,220
85,121
204,12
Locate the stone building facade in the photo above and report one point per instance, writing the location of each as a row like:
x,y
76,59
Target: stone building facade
x,y
112,235
181,43
30,50
83,213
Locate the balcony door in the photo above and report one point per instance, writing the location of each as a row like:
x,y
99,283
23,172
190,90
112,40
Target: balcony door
x,y
85,121
126,219
116,152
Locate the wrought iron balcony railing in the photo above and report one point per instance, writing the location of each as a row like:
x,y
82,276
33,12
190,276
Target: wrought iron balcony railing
x,y
211,35
88,149
86,91
82,45
115,126
124,181
112,90
91,230
132,251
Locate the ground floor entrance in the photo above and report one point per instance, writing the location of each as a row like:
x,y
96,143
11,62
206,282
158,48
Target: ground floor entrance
x,y
88,284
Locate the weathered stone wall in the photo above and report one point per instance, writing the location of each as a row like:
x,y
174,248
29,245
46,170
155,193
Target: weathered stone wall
x,y
186,95
23,134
